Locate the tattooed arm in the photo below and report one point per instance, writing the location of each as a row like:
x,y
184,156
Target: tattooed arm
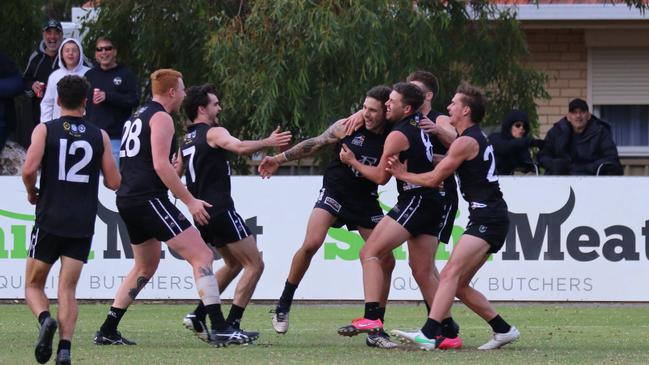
x,y
306,148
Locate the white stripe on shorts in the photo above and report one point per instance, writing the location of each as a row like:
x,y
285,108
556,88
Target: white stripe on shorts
x,y
162,218
445,215
413,210
32,244
170,216
235,225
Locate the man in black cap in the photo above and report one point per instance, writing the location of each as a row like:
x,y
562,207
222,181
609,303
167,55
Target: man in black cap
x,y
41,64
580,144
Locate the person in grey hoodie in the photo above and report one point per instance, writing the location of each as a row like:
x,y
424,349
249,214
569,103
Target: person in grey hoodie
x,y
70,63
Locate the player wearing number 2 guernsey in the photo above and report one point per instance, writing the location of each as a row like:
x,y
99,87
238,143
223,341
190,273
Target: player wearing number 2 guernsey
x,y
472,157
479,183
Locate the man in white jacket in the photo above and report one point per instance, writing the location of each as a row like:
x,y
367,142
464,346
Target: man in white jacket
x,y
70,63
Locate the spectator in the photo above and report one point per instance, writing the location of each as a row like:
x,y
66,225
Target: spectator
x,y
10,86
115,93
580,144
512,144
42,62
70,57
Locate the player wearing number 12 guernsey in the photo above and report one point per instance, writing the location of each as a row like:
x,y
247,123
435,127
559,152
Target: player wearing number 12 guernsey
x,y
472,157
69,152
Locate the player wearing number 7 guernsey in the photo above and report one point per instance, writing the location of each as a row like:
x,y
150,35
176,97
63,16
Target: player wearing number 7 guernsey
x,y
69,152
471,156
148,144
206,165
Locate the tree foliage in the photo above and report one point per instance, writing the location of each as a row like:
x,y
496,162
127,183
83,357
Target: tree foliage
x,y
20,32
303,63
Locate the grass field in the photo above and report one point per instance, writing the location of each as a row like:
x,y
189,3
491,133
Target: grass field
x,y
551,334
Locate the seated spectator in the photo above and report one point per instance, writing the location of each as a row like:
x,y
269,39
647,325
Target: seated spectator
x,y
580,144
512,144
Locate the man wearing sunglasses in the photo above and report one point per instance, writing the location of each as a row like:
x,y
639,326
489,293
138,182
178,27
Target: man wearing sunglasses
x,y
114,93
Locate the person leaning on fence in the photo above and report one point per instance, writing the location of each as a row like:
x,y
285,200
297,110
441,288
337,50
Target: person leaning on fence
x,y
580,144
512,144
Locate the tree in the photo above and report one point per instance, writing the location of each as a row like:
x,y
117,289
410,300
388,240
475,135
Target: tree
x,y
20,32
304,63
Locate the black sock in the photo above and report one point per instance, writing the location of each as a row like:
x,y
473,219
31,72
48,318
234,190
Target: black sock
x,y
43,316
234,317
286,300
112,320
200,311
372,310
449,328
64,345
216,317
431,328
499,325
382,314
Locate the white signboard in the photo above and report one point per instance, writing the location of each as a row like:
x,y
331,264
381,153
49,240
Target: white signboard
x,y
570,239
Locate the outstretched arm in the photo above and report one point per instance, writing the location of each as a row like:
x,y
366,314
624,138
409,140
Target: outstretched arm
x,y
306,148
220,137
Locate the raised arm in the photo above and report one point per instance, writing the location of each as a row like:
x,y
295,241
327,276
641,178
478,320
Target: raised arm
x,y
464,148
394,144
162,131
220,137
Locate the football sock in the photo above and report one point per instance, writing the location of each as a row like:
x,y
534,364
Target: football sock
x,y
43,316
499,325
64,345
382,314
431,328
216,317
234,317
448,328
372,310
286,300
112,320
200,312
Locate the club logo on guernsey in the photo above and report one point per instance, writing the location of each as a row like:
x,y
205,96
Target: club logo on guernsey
x,y
358,140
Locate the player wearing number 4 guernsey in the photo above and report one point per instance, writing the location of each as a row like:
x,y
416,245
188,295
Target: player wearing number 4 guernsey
x,y
416,218
472,158
148,143
69,154
206,166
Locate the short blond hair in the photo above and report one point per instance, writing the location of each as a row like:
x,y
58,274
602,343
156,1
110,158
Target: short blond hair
x,y
164,79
